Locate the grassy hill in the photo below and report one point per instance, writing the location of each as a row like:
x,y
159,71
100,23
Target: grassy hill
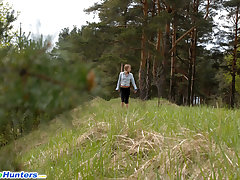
x,y
100,140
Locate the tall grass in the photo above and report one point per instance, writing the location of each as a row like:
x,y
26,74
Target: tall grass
x,y
166,142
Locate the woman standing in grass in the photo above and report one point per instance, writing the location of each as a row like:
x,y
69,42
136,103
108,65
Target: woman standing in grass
x,y
123,84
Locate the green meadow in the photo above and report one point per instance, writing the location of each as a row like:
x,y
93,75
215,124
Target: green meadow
x,y
101,140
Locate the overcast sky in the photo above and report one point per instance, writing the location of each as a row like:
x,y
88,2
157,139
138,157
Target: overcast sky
x,y
48,17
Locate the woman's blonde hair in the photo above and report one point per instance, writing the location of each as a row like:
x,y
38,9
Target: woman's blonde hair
x,y
126,66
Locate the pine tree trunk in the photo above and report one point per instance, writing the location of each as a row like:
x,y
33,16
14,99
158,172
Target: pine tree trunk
x,y
156,63
156,58
194,54
233,90
148,78
149,60
192,57
193,64
190,64
142,69
173,60
166,59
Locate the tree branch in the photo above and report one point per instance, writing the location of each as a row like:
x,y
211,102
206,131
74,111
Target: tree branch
x,y
179,39
24,72
208,5
182,60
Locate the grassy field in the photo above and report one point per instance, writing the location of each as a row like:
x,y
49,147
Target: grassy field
x,y
102,141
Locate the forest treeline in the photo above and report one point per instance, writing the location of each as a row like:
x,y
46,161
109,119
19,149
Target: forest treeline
x,y
166,42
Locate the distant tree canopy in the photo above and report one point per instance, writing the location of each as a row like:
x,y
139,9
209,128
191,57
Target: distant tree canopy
x,y
165,41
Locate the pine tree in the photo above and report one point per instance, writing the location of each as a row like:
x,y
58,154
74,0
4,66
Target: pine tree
x,y
228,41
233,9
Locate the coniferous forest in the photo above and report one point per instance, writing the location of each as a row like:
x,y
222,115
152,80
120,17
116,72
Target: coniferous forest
x,y
183,51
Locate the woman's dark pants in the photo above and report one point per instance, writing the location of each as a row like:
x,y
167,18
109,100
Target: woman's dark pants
x,y
125,92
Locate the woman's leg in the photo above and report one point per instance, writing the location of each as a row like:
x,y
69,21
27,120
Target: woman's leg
x,y
122,94
127,96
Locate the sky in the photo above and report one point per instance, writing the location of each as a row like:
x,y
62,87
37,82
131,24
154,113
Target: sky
x,y
48,17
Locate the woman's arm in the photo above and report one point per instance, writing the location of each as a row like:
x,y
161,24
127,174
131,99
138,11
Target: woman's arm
x,y
118,83
133,83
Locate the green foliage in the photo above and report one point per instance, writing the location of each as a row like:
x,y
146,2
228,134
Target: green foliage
x,y
232,3
7,17
227,74
36,86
